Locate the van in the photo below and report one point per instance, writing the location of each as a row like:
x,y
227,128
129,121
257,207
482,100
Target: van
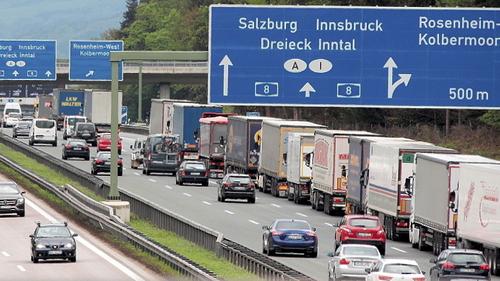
x,y
11,107
69,124
43,131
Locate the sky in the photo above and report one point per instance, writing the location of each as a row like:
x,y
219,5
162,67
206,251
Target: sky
x,y
60,20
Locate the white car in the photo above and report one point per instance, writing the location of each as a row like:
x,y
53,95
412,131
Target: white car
x,y
11,119
395,270
350,261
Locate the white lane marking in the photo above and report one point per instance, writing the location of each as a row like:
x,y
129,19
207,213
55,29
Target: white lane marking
x,y
302,215
152,180
5,254
329,224
207,203
187,194
399,250
252,221
229,212
90,246
276,205
169,187
137,174
21,268
213,182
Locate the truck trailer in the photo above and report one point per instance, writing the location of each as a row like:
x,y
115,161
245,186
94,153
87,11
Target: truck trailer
x,y
392,171
433,219
298,168
273,151
185,120
330,164
213,138
161,114
68,102
244,136
97,106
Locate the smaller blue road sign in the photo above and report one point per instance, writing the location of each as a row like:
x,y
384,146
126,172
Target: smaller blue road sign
x,y
28,60
89,60
124,115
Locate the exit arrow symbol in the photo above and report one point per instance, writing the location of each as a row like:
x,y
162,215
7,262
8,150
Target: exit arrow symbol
x,y
308,89
15,73
225,62
48,73
390,64
90,73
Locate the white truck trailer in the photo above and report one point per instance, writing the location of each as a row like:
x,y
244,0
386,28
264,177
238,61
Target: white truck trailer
x,y
330,164
97,107
298,169
392,172
273,153
433,220
161,115
478,225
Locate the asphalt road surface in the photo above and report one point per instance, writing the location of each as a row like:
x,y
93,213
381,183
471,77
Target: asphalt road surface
x,y
237,220
96,260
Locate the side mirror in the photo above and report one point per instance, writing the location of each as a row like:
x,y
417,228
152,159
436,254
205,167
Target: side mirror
x,y
423,272
368,270
314,229
265,227
330,254
131,147
23,192
32,236
74,235
432,260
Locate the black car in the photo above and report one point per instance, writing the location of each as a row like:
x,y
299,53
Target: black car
x,y
53,241
454,263
22,129
75,148
192,172
85,131
102,163
11,199
289,235
236,186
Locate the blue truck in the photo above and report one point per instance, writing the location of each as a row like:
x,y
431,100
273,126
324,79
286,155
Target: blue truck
x,y
186,120
67,102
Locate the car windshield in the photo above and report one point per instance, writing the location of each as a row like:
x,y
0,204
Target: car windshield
x,y
45,124
463,258
361,251
104,156
88,127
8,189
242,180
281,225
53,231
401,268
362,222
195,166
10,110
106,136
72,121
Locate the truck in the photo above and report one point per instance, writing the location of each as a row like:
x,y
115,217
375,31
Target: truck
x,y
478,225
359,164
329,168
185,120
161,114
273,150
97,107
392,172
213,136
68,102
44,106
243,145
433,220
298,169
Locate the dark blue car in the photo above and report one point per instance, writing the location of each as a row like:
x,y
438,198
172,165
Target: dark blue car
x,y
289,235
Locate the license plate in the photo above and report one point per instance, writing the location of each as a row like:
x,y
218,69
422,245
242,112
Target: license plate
x,y
239,188
195,174
77,148
360,263
364,234
467,270
295,237
55,252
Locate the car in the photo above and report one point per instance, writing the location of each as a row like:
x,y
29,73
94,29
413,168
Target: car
x,y
454,263
69,124
137,154
395,269
361,229
21,129
43,131
192,172
12,119
236,186
75,148
160,154
11,199
85,131
350,261
290,235
104,143
53,241
102,163
10,108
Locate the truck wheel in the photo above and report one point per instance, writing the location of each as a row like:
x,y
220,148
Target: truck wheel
x,y
421,242
296,196
313,200
290,195
327,204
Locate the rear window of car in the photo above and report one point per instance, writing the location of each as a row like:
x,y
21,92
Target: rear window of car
x,y
104,156
76,142
8,189
362,222
106,136
195,166
88,127
45,124
361,251
242,180
401,269
464,258
15,115
292,225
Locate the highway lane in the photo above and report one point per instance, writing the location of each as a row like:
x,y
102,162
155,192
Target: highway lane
x,y
96,260
238,221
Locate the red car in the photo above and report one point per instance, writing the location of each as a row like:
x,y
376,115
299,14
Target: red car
x,y
104,143
360,229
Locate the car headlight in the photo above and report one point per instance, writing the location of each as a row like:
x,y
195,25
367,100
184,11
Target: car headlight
x,y
20,201
40,246
68,245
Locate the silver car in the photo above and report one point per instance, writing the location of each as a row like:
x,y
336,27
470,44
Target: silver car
x,y
350,261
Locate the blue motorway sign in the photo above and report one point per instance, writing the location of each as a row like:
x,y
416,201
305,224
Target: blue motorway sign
x,y
89,60
28,60
124,115
354,56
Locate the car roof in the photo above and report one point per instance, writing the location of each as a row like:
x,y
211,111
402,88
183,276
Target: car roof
x,y
463,251
396,261
238,175
291,220
57,224
78,140
361,217
194,162
357,246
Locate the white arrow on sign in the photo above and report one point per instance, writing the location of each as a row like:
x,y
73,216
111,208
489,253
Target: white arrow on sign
x,y
390,64
48,73
226,62
308,89
90,73
15,73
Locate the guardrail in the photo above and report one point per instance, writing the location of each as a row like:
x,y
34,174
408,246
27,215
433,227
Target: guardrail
x,y
252,261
